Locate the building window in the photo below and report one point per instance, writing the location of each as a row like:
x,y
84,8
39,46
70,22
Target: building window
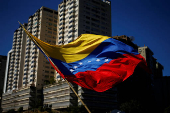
x,y
46,71
46,76
47,67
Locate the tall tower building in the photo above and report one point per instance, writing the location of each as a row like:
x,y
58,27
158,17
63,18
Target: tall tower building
x,y
7,78
77,17
16,60
43,25
147,53
83,16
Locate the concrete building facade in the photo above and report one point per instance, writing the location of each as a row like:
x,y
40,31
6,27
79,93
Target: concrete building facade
x,y
15,99
43,25
59,95
162,92
15,62
83,16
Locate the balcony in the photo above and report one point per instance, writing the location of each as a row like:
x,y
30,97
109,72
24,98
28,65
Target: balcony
x,y
57,100
63,86
61,11
59,93
23,92
62,8
21,98
60,40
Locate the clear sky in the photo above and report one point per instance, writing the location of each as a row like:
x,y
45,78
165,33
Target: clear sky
x,y
147,20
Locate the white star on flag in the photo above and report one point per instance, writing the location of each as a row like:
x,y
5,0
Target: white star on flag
x,y
106,60
71,70
89,61
98,60
80,63
75,67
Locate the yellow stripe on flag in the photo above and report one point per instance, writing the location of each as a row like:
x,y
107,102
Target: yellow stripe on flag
x,y
74,51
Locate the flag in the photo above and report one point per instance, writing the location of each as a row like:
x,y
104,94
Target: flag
x,y
92,61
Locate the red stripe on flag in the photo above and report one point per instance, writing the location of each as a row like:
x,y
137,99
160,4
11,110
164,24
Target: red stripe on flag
x,y
109,74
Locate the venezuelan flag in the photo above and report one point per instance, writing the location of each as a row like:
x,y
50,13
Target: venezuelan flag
x,y
92,61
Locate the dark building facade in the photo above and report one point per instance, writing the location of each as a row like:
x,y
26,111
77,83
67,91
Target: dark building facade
x,y
141,85
162,92
2,75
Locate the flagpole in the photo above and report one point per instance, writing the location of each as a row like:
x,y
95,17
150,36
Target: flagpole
x,y
56,68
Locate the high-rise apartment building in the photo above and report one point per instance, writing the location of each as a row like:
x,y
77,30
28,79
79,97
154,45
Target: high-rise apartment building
x,y
43,25
83,16
28,69
16,59
28,66
76,17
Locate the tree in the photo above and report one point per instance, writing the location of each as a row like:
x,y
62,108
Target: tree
x,y
75,109
52,80
11,111
40,108
132,106
46,82
20,109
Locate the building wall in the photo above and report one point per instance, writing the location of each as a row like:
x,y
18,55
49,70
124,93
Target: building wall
x,y
43,25
148,55
162,92
158,71
15,64
77,17
94,17
22,58
16,99
59,96
27,65
7,71
3,60
100,101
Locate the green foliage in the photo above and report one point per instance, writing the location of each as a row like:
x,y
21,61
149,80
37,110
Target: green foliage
x,y
11,111
40,108
46,82
52,80
39,102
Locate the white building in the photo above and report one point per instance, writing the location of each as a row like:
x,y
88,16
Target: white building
x,y
83,16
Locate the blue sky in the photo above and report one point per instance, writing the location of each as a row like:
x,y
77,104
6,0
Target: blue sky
x,y
147,20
